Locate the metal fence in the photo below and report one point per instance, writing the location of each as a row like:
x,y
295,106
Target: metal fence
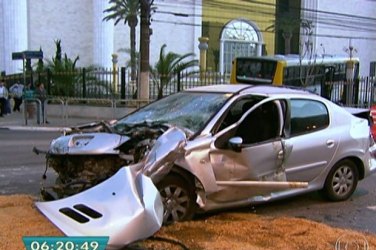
x,y
358,93
103,83
116,84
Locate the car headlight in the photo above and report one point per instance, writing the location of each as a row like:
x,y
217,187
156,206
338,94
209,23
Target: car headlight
x,y
59,146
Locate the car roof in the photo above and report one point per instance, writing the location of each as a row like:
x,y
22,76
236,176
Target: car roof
x,y
220,88
252,89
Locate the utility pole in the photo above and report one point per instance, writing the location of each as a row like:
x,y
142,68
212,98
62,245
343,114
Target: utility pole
x,y
143,85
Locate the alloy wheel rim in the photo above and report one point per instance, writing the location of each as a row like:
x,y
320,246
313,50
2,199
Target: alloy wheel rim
x,y
343,180
175,202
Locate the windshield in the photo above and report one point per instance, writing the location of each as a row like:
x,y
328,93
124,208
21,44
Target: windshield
x,y
190,110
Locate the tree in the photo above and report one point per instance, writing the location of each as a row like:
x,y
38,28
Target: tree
x,y
169,65
287,25
128,11
307,51
145,32
63,71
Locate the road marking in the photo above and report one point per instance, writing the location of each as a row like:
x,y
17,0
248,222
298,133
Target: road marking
x,y
372,208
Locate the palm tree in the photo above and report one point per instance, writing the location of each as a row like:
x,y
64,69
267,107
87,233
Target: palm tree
x,y
169,65
128,11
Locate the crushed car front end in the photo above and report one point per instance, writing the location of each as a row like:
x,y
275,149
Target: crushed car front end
x,y
90,153
82,160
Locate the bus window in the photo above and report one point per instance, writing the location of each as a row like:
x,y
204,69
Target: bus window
x,y
291,70
253,71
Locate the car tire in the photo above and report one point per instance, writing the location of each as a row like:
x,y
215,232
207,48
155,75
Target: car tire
x,y
341,181
178,197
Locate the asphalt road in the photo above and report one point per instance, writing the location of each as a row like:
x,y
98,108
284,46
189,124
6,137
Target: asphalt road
x,y
20,169
21,172
356,213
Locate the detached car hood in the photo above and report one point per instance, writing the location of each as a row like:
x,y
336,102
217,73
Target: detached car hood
x,y
127,206
88,143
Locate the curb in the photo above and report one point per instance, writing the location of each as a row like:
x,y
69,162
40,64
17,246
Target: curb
x,y
44,129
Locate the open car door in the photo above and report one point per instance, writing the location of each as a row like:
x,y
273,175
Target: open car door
x,y
248,156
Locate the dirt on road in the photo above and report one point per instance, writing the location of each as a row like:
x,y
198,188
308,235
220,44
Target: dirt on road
x,y
228,230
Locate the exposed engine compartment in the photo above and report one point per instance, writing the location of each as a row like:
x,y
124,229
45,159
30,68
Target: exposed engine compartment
x,y
79,171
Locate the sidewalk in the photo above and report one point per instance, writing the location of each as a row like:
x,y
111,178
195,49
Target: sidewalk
x,y
16,121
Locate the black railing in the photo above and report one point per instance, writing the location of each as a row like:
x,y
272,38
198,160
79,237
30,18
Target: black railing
x,y
106,83
358,93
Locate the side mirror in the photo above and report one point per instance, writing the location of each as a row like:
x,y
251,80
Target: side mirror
x,y
235,143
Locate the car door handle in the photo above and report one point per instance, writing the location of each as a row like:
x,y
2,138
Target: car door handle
x,y
330,143
281,155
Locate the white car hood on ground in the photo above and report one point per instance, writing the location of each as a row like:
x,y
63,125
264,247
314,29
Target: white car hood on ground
x,y
126,207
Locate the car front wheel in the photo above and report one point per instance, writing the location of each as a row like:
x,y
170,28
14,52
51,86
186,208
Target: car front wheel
x,y
341,181
178,198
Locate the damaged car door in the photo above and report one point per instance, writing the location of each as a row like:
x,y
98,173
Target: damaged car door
x,y
248,156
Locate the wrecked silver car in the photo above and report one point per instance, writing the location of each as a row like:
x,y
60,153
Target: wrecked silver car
x,y
242,144
127,206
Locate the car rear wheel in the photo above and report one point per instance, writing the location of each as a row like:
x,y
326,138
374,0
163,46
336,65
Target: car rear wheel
x,y
341,181
178,198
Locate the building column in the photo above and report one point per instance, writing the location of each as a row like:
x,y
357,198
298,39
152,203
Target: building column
x,y
2,61
14,34
103,31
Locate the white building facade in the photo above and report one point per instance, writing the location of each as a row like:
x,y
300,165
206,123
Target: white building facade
x,y
13,33
343,23
37,24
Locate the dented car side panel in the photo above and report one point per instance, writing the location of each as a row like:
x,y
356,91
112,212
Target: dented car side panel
x,y
196,161
256,162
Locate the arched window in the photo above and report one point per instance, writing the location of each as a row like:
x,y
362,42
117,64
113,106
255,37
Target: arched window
x,y
239,38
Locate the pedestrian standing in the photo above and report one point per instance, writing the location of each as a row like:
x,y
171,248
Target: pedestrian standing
x,y
8,109
3,98
17,91
28,97
41,94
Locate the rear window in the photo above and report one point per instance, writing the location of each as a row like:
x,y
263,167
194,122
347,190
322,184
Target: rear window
x,y
308,116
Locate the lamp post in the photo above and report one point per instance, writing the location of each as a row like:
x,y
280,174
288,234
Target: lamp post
x,y
350,64
350,98
114,73
203,46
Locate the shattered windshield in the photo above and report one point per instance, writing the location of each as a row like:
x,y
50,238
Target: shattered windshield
x,y
190,110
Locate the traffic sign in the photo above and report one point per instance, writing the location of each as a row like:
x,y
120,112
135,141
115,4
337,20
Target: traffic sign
x,y
27,54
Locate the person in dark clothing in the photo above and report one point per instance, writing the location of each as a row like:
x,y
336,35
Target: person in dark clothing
x,y
3,98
